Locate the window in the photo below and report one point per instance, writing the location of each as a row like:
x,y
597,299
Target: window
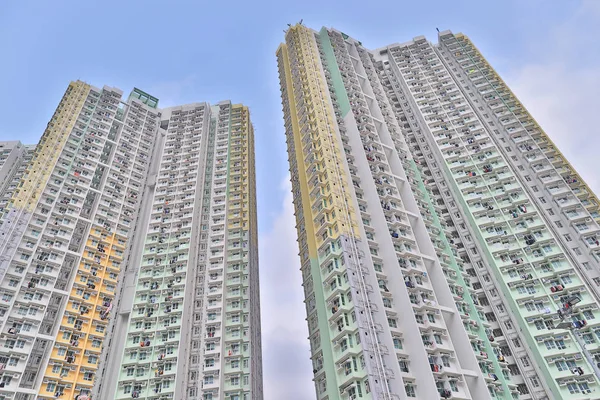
x,y
584,387
586,265
453,386
573,388
588,338
539,325
587,314
577,251
567,237
561,365
534,381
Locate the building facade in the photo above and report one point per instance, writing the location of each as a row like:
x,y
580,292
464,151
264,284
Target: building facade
x,y
444,239
14,157
133,231
195,297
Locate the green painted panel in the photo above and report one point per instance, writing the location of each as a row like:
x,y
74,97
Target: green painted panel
x,y
543,367
326,346
336,75
467,298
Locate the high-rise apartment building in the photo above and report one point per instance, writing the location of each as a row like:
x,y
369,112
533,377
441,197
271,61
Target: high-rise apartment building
x,y
129,264
448,249
189,324
14,157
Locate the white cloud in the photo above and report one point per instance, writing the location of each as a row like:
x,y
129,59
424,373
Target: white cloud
x,y
560,90
286,353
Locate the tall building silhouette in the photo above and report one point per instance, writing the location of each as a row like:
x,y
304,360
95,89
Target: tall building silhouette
x,y
448,249
129,264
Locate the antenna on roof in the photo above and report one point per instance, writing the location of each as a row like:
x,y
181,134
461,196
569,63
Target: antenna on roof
x,y
289,25
437,29
300,23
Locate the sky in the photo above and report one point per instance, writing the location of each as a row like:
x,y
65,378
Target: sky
x,y
190,51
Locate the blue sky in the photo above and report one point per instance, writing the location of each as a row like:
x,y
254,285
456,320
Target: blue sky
x,y
188,51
